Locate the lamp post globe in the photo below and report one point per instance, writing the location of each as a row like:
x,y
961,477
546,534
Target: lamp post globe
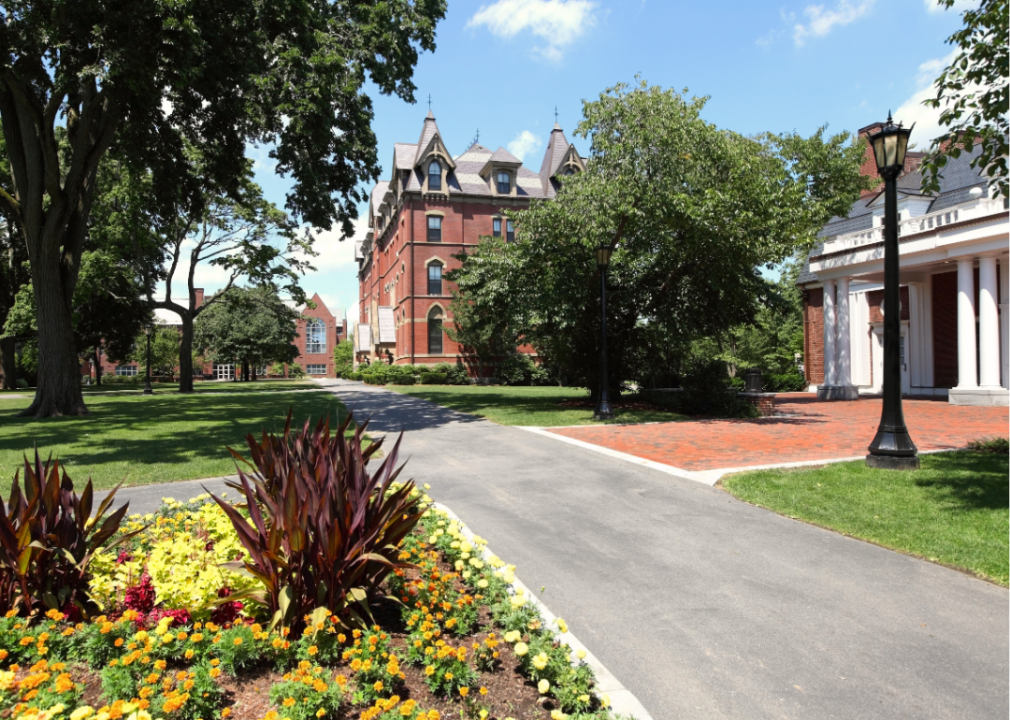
x,y
148,390
603,410
892,447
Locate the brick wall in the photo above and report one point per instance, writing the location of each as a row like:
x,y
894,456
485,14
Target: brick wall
x,y
945,330
876,297
813,335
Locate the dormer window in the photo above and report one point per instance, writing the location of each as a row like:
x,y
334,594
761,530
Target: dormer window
x,y
504,183
496,225
569,171
434,176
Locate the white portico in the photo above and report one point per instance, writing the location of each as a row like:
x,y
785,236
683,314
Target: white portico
x,y
954,291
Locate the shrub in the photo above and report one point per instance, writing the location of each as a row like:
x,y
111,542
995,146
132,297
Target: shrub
x,y
402,380
353,375
48,538
295,371
784,382
706,390
990,445
454,374
322,531
433,378
516,369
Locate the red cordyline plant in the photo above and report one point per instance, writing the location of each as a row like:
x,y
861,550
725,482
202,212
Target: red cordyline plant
x,y
48,538
322,531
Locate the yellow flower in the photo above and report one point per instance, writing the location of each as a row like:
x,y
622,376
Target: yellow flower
x,y
558,715
605,701
512,635
562,625
82,712
521,649
464,691
580,654
540,661
543,686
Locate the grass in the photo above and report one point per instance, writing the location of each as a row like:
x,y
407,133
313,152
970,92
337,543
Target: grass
x,y
534,406
954,510
151,439
199,386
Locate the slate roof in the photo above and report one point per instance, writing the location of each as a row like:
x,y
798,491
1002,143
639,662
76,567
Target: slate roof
x,y
957,181
363,338
557,146
501,155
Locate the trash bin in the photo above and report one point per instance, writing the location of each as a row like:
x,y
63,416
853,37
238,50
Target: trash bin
x,y
752,380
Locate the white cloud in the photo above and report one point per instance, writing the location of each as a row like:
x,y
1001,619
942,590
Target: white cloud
x,y
524,143
334,253
926,119
558,22
934,6
821,21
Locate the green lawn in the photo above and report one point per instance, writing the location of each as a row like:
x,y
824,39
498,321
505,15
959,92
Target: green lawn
x,y
954,510
149,439
535,406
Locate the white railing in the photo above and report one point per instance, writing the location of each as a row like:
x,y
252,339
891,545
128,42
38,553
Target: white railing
x,y
916,225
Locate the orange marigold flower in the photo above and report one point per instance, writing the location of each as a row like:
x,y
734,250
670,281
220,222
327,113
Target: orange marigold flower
x,y
464,691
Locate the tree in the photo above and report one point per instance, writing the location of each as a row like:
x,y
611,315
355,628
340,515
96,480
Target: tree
x,y
973,91
247,238
164,351
152,77
13,276
250,325
690,211
343,357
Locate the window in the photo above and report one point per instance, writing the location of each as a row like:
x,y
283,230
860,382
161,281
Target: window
x,y
569,171
126,370
315,369
434,176
224,371
434,228
510,233
315,336
504,183
435,332
435,279
497,227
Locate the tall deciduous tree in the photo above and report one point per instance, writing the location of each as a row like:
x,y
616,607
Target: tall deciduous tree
x,y
690,211
247,238
250,325
152,76
974,92
164,350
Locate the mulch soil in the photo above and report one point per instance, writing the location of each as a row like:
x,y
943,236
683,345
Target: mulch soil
x,y
510,694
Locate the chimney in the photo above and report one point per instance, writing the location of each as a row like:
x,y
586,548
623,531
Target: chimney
x,y
199,296
869,166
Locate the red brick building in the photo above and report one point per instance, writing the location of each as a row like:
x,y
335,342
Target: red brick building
x,y
319,331
953,258
430,208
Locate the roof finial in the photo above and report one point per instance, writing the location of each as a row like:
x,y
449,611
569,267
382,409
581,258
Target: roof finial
x,y
555,114
429,102
889,121
476,138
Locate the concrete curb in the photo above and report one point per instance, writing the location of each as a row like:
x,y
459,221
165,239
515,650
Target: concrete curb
x,y
622,700
706,477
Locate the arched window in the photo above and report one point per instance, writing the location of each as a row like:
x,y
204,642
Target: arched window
x,y
434,176
435,331
569,171
435,278
315,336
434,228
504,183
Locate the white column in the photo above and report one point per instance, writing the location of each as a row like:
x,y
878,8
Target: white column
x,y
843,368
1004,308
966,364
988,324
830,331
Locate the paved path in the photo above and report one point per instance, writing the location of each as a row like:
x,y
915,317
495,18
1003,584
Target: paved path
x,y
804,430
704,606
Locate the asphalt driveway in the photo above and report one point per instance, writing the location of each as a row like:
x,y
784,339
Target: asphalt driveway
x,y
702,605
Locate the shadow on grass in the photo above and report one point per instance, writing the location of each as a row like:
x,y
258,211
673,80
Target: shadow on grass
x,y
164,430
969,480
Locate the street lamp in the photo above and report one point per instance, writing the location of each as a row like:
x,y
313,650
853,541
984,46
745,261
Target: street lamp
x,y
892,448
148,390
603,411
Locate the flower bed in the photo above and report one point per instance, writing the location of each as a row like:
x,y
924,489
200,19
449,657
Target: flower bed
x,y
179,629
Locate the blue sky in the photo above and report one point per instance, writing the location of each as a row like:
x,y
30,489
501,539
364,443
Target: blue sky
x,y
504,65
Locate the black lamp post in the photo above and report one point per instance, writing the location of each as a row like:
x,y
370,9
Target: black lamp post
x,y
148,390
892,448
603,410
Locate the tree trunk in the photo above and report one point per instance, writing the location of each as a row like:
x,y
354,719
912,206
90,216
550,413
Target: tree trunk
x,y
186,353
59,386
98,367
8,364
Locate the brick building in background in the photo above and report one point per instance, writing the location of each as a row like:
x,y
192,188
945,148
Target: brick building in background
x,y
430,208
319,331
953,249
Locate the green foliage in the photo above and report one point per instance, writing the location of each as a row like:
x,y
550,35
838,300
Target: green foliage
x,y
993,444
322,531
295,371
119,683
250,325
47,540
308,701
674,197
354,375
343,358
455,374
974,92
705,390
519,369
434,378
164,352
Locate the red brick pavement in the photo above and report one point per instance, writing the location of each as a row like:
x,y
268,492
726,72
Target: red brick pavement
x,y
802,430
